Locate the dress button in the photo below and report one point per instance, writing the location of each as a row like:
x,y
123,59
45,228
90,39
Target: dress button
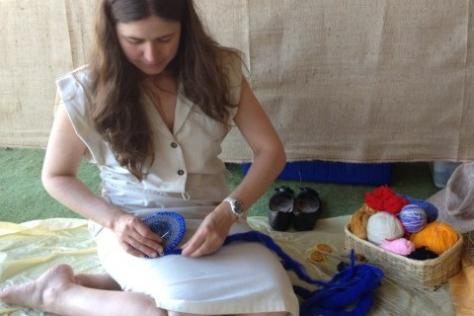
x,y
180,172
174,145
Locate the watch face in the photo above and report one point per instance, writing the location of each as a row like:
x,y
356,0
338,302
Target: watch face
x,y
238,208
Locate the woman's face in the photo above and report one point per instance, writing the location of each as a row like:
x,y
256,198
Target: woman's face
x,y
150,44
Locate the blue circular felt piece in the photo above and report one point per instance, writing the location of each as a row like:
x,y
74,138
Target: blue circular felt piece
x,y
171,226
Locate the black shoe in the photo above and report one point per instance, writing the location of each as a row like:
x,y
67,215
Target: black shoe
x,y
281,208
306,209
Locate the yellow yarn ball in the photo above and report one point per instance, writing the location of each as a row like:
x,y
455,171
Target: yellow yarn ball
x,y
358,225
437,237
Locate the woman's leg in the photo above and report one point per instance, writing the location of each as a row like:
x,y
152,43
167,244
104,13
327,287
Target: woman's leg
x,y
267,314
170,313
57,292
97,281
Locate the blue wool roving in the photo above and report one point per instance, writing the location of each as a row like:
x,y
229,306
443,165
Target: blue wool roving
x,y
430,210
413,218
349,293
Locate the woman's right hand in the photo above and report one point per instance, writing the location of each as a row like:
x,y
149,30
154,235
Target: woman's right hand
x,y
136,237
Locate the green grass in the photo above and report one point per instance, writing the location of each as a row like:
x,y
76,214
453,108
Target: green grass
x,y
23,198
413,179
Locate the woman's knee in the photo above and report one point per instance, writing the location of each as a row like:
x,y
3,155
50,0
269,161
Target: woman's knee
x,y
256,314
181,314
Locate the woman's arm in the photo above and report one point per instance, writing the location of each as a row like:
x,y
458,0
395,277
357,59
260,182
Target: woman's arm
x,y
268,153
59,176
269,160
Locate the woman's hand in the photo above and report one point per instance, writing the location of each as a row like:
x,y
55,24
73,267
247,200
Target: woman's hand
x,y
211,233
136,237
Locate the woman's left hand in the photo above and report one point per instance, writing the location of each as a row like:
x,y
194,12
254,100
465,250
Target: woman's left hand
x,y
211,233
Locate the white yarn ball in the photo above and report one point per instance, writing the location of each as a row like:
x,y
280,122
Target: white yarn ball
x,y
383,226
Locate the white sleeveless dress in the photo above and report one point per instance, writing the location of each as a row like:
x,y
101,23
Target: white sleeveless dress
x,y
189,178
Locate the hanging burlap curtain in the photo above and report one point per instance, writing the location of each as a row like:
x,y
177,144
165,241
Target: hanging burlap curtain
x,y
366,80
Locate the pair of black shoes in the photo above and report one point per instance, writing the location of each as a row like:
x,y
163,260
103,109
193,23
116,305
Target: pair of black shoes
x,y
300,211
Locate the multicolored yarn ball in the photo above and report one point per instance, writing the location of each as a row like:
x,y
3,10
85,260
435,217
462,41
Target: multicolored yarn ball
x,y
358,225
437,237
400,246
430,210
385,199
413,218
383,226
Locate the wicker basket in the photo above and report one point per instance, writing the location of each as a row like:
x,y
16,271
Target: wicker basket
x,y
426,274
469,246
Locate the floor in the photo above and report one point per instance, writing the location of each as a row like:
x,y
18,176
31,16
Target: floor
x,y
23,198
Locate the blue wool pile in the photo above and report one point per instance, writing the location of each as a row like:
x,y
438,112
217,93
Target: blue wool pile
x,y
348,293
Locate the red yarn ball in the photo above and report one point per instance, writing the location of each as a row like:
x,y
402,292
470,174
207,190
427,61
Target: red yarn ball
x,y
385,199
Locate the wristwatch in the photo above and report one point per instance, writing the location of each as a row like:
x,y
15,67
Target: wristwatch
x,y
236,206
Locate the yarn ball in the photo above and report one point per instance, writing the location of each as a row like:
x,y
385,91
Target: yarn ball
x,y
437,237
422,254
359,220
399,246
383,226
430,209
413,218
385,199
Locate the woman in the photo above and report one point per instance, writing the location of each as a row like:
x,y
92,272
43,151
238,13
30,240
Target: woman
x,y
151,110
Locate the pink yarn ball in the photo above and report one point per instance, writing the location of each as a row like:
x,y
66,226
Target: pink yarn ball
x,y
399,246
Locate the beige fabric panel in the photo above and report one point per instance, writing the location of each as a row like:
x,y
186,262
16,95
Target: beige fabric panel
x,y
363,80
80,19
32,53
385,80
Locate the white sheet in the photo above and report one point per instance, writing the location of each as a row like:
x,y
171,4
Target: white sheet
x,y
28,249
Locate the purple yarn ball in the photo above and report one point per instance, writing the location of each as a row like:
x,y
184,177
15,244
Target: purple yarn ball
x,y
413,218
430,209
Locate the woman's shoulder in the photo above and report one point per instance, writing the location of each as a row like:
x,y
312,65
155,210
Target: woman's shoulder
x,y
80,75
229,58
73,89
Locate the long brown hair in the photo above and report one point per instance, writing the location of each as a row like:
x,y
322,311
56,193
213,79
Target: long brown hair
x,y
118,112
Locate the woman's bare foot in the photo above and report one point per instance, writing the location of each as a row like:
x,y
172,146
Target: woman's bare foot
x,y
41,293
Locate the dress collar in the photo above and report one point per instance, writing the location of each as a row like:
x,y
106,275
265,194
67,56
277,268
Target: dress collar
x,y
182,109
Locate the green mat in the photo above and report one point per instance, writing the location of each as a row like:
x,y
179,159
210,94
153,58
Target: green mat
x,y
23,198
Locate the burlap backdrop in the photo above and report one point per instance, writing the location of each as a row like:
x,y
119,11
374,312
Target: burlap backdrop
x,y
366,80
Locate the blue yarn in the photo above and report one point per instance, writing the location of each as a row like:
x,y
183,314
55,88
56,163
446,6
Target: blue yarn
x,y
430,209
286,260
354,286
